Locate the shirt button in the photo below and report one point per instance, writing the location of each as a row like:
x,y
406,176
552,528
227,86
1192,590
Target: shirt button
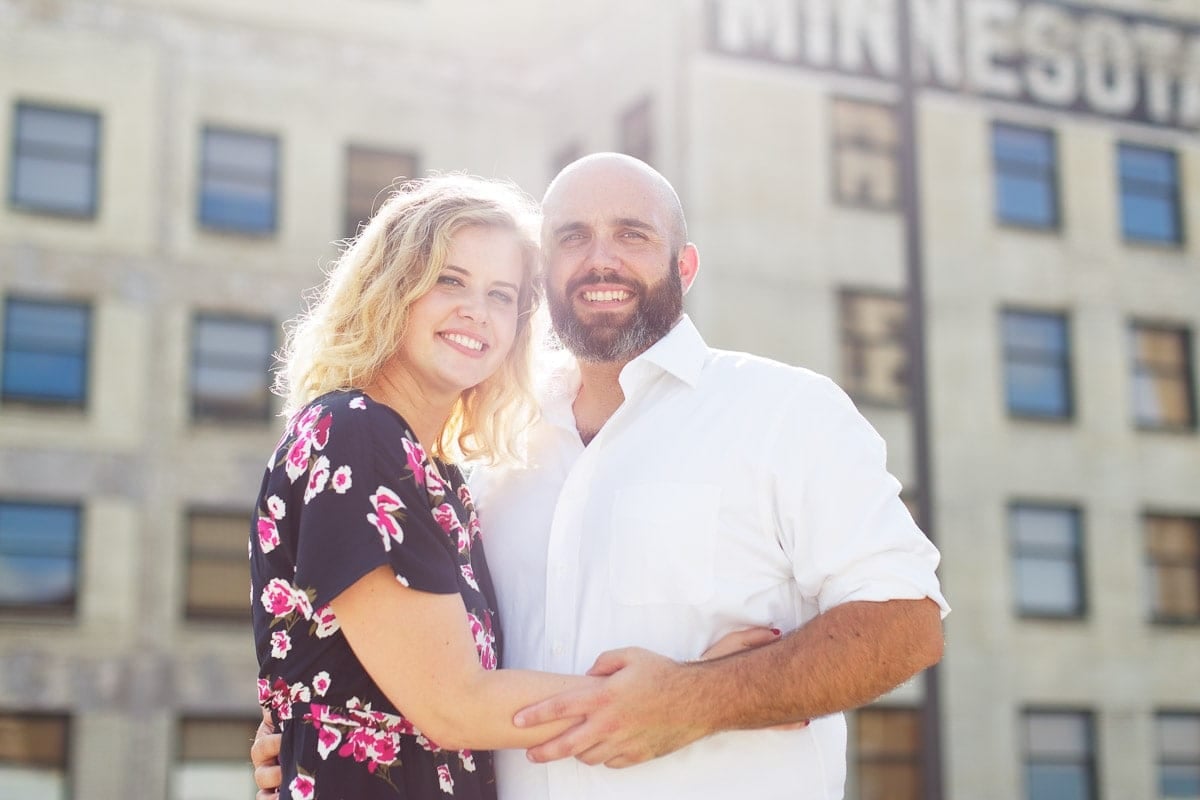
x,y
559,649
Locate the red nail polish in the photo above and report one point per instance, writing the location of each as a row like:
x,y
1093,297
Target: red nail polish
x,y
776,631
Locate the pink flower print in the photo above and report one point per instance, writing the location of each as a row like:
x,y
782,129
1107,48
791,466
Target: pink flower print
x,y
299,693
358,402
341,479
387,505
320,682
281,644
382,750
320,432
276,507
433,482
469,576
268,534
485,640
278,597
303,604
318,476
464,497
446,517
356,744
444,780
326,624
297,456
264,691
473,528
416,460
303,423
302,787
328,738
468,760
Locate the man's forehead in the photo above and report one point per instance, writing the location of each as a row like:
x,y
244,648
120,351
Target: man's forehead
x,y
602,200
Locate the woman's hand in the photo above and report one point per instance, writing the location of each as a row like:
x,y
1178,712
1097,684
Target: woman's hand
x,y
738,641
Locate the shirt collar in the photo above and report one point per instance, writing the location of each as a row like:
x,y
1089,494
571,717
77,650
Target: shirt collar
x,y
681,353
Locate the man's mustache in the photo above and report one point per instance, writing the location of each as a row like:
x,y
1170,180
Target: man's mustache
x,y
599,276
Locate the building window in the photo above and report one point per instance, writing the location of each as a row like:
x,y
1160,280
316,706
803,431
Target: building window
x,y
874,346
637,131
217,570
1178,755
888,753
567,154
1173,561
1150,206
1037,374
370,174
45,352
1059,755
55,154
1026,179
1162,377
239,181
39,556
33,756
212,758
1047,560
865,143
231,363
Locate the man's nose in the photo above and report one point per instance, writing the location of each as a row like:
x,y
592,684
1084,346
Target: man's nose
x,y
602,256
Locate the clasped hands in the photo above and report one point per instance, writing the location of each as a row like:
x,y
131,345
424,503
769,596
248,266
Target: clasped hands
x,y
644,708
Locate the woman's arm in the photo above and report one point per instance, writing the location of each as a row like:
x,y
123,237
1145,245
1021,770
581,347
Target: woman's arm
x,y
418,648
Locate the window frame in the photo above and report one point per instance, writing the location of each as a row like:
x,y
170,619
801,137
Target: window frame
x,y
838,144
1156,617
209,418
1188,376
1067,372
63,611
371,150
914,758
866,344
1175,197
1160,760
1089,764
275,183
68,740
190,614
47,401
93,208
1026,170
642,112
1078,556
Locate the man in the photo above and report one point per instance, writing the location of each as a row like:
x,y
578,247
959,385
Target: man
x,y
677,493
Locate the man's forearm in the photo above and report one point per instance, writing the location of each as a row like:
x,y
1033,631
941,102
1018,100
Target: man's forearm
x,y
842,659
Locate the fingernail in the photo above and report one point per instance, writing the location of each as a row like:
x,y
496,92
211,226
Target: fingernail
x,y
519,721
776,631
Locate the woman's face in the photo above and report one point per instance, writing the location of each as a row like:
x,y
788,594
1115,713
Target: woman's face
x,y
460,332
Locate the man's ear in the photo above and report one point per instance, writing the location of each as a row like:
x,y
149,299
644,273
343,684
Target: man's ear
x,y
689,265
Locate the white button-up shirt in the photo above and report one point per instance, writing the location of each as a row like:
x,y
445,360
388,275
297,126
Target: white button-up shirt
x,y
727,491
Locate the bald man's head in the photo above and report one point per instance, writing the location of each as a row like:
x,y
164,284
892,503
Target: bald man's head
x,y
594,172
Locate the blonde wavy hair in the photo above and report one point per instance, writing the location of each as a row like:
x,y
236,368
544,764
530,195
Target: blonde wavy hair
x,y
355,319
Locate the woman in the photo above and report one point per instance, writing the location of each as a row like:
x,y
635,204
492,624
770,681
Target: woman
x,y
373,608
370,589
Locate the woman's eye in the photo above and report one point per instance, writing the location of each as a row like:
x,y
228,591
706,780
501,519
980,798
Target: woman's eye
x,y
504,297
449,280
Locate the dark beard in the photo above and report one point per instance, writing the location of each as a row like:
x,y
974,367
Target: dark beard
x,y
658,308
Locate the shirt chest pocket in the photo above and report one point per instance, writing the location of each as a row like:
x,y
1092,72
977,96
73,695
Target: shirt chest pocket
x,y
663,537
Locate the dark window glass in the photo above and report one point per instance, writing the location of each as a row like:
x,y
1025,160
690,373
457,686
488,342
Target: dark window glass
x,y
865,142
1026,182
874,350
1162,377
370,175
45,351
1059,756
33,756
55,154
39,556
231,362
238,181
637,131
1178,755
1036,364
888,753
1150,205
1047,560
1173,561
218,573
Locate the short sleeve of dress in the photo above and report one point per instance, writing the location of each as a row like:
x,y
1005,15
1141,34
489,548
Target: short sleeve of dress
x,y
360,489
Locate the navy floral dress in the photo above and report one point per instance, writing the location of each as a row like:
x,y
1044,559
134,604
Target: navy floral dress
x,y
349,489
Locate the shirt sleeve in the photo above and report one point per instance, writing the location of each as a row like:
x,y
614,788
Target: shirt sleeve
x,y
363,506
848,534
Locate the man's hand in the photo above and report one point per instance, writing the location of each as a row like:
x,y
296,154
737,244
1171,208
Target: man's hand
x,y
632,717
264,753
